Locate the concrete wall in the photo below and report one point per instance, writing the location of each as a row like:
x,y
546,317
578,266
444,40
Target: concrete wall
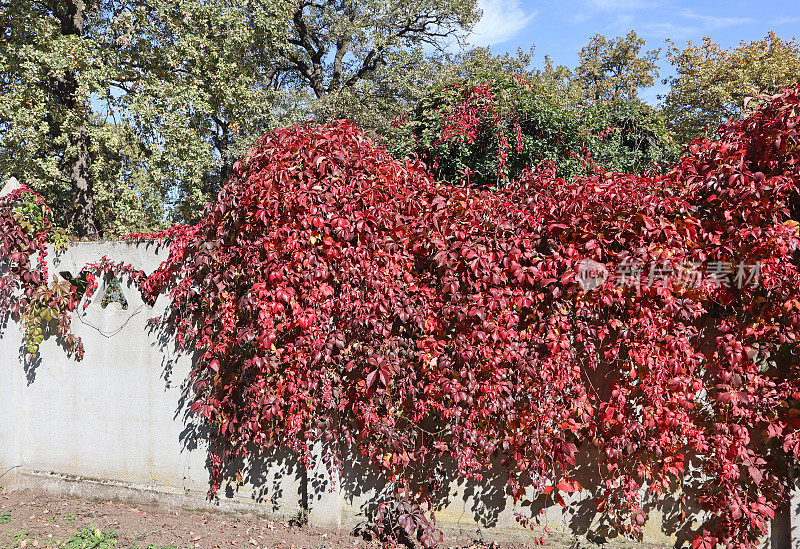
x,y
115,426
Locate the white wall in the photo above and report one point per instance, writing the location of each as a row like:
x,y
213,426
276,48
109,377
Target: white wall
x,y
112,426
113,419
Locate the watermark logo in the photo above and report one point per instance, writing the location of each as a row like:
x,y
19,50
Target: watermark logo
x,y
637,275
591,274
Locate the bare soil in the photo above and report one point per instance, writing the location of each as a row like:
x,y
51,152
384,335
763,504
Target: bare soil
x,y
30,519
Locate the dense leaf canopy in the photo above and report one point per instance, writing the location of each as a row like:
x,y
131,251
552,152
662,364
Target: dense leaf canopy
x,y
486,131
334,293
712,84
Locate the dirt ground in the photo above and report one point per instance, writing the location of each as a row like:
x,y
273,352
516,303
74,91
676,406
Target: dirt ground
x,y
36,520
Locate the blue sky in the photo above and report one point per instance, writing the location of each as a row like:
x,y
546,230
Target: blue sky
x,y
561,28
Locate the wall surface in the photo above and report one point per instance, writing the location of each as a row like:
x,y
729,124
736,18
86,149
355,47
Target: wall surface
x,y
115,425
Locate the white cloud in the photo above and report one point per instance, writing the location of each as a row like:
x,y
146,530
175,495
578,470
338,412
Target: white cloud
x,y
619,5
787,21
501,21
591,8
710,22
696,25
671,30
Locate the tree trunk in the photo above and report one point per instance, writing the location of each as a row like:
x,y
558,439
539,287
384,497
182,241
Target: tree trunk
x,y
221,140
83,219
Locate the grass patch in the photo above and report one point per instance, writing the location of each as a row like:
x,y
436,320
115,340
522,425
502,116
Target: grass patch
x,y
5,517
89,538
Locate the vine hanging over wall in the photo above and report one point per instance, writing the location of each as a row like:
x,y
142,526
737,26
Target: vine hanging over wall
x,y
336,294
25,229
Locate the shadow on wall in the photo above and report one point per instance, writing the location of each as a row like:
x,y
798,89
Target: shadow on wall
x,y
473,506
268,476
276,477
113,293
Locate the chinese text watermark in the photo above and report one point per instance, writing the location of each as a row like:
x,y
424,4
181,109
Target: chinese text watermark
x,y
636,274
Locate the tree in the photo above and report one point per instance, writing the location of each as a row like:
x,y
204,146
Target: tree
x,y
614,70
126,116
489,128
629,137
480,63
50,67
561,80
712,84
477,65
486,131
198,90
360,58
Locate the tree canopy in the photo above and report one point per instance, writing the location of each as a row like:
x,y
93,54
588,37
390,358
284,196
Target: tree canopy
x,y
360,58
712,83
127,116
615,69
197,92
490,118
52,60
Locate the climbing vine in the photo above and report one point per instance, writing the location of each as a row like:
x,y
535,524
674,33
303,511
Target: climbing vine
x,y
43,307
335,294
486,133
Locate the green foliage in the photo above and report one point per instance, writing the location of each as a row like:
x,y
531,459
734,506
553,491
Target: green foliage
x,y
46,305
91,538
50,67
480,64
166,95
629,137
133,117
57,130
113,294
43,309
462,126
712,84
614,70
5,517
197,90
366,59
34,216
483,133
300,518
46,302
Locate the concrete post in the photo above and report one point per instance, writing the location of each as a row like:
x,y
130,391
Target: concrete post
x,y
781,528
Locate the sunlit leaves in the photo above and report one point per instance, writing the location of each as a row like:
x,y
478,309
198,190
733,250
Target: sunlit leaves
x,y
335,293
42,306
332,293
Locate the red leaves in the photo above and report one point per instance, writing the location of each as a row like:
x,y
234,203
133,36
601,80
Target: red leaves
x,y
371,378
304,322
704,541
353,299
568,486
25,228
